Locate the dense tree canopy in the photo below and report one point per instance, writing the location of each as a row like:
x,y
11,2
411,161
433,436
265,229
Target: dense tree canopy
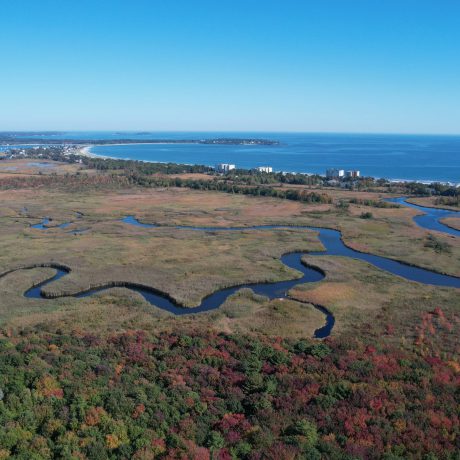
x,y
198,394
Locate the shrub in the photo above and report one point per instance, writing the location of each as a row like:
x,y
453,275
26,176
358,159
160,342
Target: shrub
x,y
438,245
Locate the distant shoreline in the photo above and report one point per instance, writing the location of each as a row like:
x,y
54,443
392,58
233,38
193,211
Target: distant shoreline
x,y
6,141
84,148
86,151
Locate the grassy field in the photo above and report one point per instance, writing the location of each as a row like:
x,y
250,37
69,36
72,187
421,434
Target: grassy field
x,y
189,265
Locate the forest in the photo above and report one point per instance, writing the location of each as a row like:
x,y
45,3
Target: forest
x,y
203,395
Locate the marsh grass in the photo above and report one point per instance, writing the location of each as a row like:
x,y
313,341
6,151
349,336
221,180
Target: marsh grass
x,y
189,265
358,293
453,222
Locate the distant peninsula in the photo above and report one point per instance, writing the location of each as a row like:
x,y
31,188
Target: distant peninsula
x,y
12,139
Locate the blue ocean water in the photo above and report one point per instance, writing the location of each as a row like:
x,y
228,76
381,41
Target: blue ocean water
x,y
408,157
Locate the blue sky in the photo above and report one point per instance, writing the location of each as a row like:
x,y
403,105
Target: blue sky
x,y
267,65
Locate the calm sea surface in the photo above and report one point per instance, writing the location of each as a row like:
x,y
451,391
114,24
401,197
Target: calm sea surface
x,y
412,157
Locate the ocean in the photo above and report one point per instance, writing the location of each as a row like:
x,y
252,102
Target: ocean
x,y
405,157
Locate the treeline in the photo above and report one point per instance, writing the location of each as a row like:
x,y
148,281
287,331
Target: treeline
x,y
373,203
254,177
142,167
436,189
230,187
448,200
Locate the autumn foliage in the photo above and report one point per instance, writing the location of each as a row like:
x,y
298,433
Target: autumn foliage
x,y
200,395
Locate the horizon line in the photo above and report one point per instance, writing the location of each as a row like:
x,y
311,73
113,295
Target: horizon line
x,y
386,133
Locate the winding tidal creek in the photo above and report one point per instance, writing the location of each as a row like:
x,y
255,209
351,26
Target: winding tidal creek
x,y
331,240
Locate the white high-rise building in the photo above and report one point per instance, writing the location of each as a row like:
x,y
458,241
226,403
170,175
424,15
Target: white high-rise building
x,y
265,169
224,167
333,173
353,173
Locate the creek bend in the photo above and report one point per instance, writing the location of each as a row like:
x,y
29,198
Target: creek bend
x,y
430,219
331,240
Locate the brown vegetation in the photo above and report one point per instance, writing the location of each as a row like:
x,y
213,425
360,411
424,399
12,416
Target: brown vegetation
x,y
453,222
189,265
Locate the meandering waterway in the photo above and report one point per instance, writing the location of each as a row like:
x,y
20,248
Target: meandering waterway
x,y
334,246
430,220
331,240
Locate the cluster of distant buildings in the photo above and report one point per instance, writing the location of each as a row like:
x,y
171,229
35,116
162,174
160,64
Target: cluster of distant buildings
x,y
334,173
226,167
331,173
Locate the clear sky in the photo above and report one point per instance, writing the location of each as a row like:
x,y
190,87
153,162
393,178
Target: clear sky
x,y
266,65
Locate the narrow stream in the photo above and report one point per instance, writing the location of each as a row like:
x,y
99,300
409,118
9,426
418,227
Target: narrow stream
x,y
156,298
45,223
331,240
430,220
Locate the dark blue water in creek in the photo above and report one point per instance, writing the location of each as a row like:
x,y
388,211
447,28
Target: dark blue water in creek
x,y
44,224
430,220
215,300
331,240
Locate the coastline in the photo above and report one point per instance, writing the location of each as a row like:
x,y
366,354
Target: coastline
x,y
86,151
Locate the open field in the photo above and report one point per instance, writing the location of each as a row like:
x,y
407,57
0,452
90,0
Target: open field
x,y
189,265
